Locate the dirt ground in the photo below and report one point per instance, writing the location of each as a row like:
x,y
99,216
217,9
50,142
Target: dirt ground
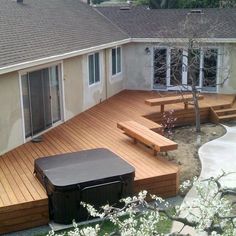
x,y
188,144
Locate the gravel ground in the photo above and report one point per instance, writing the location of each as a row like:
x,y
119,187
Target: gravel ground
x,y
186,156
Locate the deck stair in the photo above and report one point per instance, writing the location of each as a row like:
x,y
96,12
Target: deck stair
x,y
223,113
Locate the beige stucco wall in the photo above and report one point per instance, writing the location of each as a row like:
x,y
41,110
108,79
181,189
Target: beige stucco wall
x,y
114,84
95,93
11,131
233,67
73,86
227,69
137,66
78,95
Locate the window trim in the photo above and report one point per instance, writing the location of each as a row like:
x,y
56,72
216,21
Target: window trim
x,y
99,66
117,73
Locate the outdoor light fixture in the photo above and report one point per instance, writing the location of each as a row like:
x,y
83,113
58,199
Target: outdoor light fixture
x,y
147,50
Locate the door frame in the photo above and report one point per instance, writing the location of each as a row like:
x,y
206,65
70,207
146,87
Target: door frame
x,y
61,91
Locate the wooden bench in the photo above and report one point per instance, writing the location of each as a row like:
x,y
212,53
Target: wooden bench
x,y
171,100
150,124
146,136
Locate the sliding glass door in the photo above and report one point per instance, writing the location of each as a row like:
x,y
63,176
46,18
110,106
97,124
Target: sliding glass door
x,y
41,100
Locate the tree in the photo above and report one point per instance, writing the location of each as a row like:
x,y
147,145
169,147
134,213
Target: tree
x,y
191,56
155,4
162,4
206,3
227,3
198,3
210,212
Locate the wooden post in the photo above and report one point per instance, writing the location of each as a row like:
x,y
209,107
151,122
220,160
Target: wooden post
x,y
162,108
186,105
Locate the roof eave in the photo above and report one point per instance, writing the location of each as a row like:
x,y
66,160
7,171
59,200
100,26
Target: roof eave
x,y
24,65
41,61
183,40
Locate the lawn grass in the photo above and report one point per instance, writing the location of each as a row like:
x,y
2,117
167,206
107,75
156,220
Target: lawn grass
x,y
163,227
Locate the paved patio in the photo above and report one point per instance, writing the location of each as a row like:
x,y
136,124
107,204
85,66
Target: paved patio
x,y
216,156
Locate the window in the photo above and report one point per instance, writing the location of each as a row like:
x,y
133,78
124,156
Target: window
x,y
176,65
185,67
193,67
116,60
94,68
160,68
210,69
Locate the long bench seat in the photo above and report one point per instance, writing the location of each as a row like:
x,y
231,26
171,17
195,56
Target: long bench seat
x,y
162,101
146,136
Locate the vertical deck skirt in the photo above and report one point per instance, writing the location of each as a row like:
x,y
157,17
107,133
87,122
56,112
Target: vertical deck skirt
x,y
95,176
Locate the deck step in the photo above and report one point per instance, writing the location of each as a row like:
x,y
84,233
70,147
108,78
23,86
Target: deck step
x,y
221,107
227,117
224,112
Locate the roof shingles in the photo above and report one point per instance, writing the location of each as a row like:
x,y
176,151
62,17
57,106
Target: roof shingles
x,y
40,28
141,22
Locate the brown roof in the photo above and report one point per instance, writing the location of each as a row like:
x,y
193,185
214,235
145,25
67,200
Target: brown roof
x,y
141,22
40,28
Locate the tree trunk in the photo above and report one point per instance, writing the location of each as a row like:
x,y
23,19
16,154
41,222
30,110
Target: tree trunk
x,y
196,109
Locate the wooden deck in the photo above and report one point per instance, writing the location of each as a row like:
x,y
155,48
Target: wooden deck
x,y
23,201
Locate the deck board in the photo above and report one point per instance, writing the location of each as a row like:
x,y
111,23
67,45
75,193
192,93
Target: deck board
x,y
22,194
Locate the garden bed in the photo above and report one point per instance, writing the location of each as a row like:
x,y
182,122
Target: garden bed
x,y
188,144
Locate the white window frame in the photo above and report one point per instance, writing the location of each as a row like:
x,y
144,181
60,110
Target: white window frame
x,y
184,73
99,65
117,73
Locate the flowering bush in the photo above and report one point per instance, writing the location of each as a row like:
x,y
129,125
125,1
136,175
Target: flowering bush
x,y
136,222
168,123
87,231
210,212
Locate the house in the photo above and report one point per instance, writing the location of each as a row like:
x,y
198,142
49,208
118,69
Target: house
x,y
59,58
161,32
